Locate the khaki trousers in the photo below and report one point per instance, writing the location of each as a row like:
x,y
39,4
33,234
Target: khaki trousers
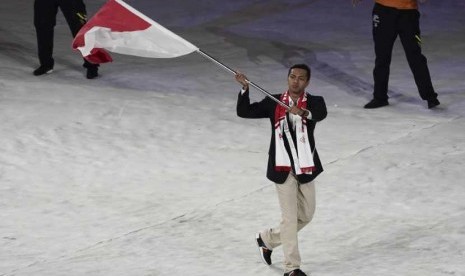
x,y
297,203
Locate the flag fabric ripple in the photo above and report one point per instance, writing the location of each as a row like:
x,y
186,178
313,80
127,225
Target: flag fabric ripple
x,y
119,28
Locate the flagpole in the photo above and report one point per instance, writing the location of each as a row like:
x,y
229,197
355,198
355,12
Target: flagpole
x,y
249,82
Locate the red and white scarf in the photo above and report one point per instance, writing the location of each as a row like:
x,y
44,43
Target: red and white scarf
x,y
302,155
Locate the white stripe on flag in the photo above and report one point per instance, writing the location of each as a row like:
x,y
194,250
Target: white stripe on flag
x,y
147,43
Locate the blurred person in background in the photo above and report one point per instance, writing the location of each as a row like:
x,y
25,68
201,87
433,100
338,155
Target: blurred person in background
x,y
392,18
45,12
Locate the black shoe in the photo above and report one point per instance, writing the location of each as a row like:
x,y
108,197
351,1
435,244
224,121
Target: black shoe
x,y
433,103
42,70
92,72
295,272
265,252
375,103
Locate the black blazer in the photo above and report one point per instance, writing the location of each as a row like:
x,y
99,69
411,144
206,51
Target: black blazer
x,y
266,109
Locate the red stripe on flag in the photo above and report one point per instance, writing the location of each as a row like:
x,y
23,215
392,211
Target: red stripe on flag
x,y
115,17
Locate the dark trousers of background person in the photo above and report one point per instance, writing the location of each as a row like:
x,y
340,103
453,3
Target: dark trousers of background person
x,y
388,23
45,12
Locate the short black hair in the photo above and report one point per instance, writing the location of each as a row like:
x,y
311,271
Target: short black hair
x,y
301,66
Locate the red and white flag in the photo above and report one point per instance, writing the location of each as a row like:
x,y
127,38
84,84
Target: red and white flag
x,y
119,28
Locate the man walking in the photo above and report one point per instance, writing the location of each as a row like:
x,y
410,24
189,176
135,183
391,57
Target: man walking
x,y
293,160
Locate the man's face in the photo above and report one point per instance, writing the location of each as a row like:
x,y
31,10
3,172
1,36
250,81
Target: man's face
x,y
297,81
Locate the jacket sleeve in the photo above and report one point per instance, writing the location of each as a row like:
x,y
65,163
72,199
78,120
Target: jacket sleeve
x,y
317,107
245,109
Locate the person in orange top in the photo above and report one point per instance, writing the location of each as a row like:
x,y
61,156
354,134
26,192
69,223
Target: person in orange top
x,y
398,4
392,18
